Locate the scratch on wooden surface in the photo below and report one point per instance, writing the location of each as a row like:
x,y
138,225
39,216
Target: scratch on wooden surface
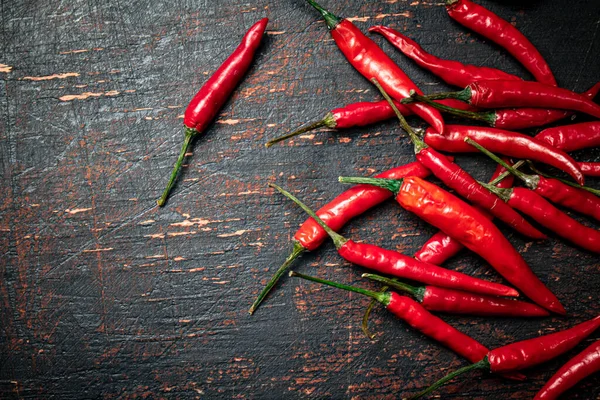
x,y
234,121
76,210
97,250
86,95
50,77
236,233
81,50
5,68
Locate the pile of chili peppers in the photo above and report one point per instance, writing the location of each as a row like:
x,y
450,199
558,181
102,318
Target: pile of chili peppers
x,y
465,218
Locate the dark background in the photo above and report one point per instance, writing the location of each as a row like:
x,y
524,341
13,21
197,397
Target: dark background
x,y
104,295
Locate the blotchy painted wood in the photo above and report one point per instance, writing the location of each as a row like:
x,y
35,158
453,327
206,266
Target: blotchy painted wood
x,y
104,295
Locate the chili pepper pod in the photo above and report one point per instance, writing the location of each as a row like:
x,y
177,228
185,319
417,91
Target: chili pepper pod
x,y
511,144
525,354
397,264
578,368
453,73
590,168
464,184
572,137
467,225
214,93
336,214
503,33
372,62
452,301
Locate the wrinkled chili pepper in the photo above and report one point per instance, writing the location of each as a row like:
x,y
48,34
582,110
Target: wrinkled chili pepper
x,y
578,368
371,61
464,223
452,301
464,184
391,262
526,353
572,137
589,168
508,143
503,33
453,73
214,93
336,214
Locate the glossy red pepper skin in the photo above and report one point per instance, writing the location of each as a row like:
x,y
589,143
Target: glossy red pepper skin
x,y
511,144
590,168
528,353
453,73
465,185
422,320
393,263
464,223
440,247
502,94
576,199
572,137
492,27
534,205
579,367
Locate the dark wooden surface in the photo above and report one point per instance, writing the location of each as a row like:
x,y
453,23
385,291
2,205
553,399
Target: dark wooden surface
x,y
104,295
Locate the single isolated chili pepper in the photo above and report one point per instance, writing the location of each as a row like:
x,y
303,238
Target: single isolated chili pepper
x,y
391,262
464,184
453,73
336,214
372,62
508,118
589,168
464,223
503,94
452,301
214,93
572,137
511,144
578,368
525,354
503,33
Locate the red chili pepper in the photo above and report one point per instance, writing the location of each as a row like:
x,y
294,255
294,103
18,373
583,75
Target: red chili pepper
x,y
464,223
572,137
464,184
391,262
502,94
452,72
525,354
452,301
214,93
589,168
579,367
511,144
503,33
336,214
441,247
371,61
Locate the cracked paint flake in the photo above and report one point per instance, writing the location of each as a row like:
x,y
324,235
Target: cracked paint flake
x,y
50,77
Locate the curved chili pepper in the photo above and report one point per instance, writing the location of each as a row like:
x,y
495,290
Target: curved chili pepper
x,y
508,143
544,213
572,137
526,353
440,247
452,301
502,94
579,367
391,262
372,62
503,33
464,184
214,93
336,214
453,73
464,223
589,168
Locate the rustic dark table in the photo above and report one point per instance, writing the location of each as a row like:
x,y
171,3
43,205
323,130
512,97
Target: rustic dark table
x,y
102,294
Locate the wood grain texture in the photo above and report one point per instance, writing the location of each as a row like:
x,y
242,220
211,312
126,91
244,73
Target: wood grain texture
x,y
104,295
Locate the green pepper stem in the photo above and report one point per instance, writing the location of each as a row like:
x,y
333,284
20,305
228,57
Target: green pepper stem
x,y
365,319
530,180
566,182
393,185
383,298
504,194
416,140
483,364
189,135
331,20
296,251
463,95
328,121
506,173
488,117
416,292
338,239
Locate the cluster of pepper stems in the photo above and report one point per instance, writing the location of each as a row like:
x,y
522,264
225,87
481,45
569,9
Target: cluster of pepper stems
x,y
516,104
